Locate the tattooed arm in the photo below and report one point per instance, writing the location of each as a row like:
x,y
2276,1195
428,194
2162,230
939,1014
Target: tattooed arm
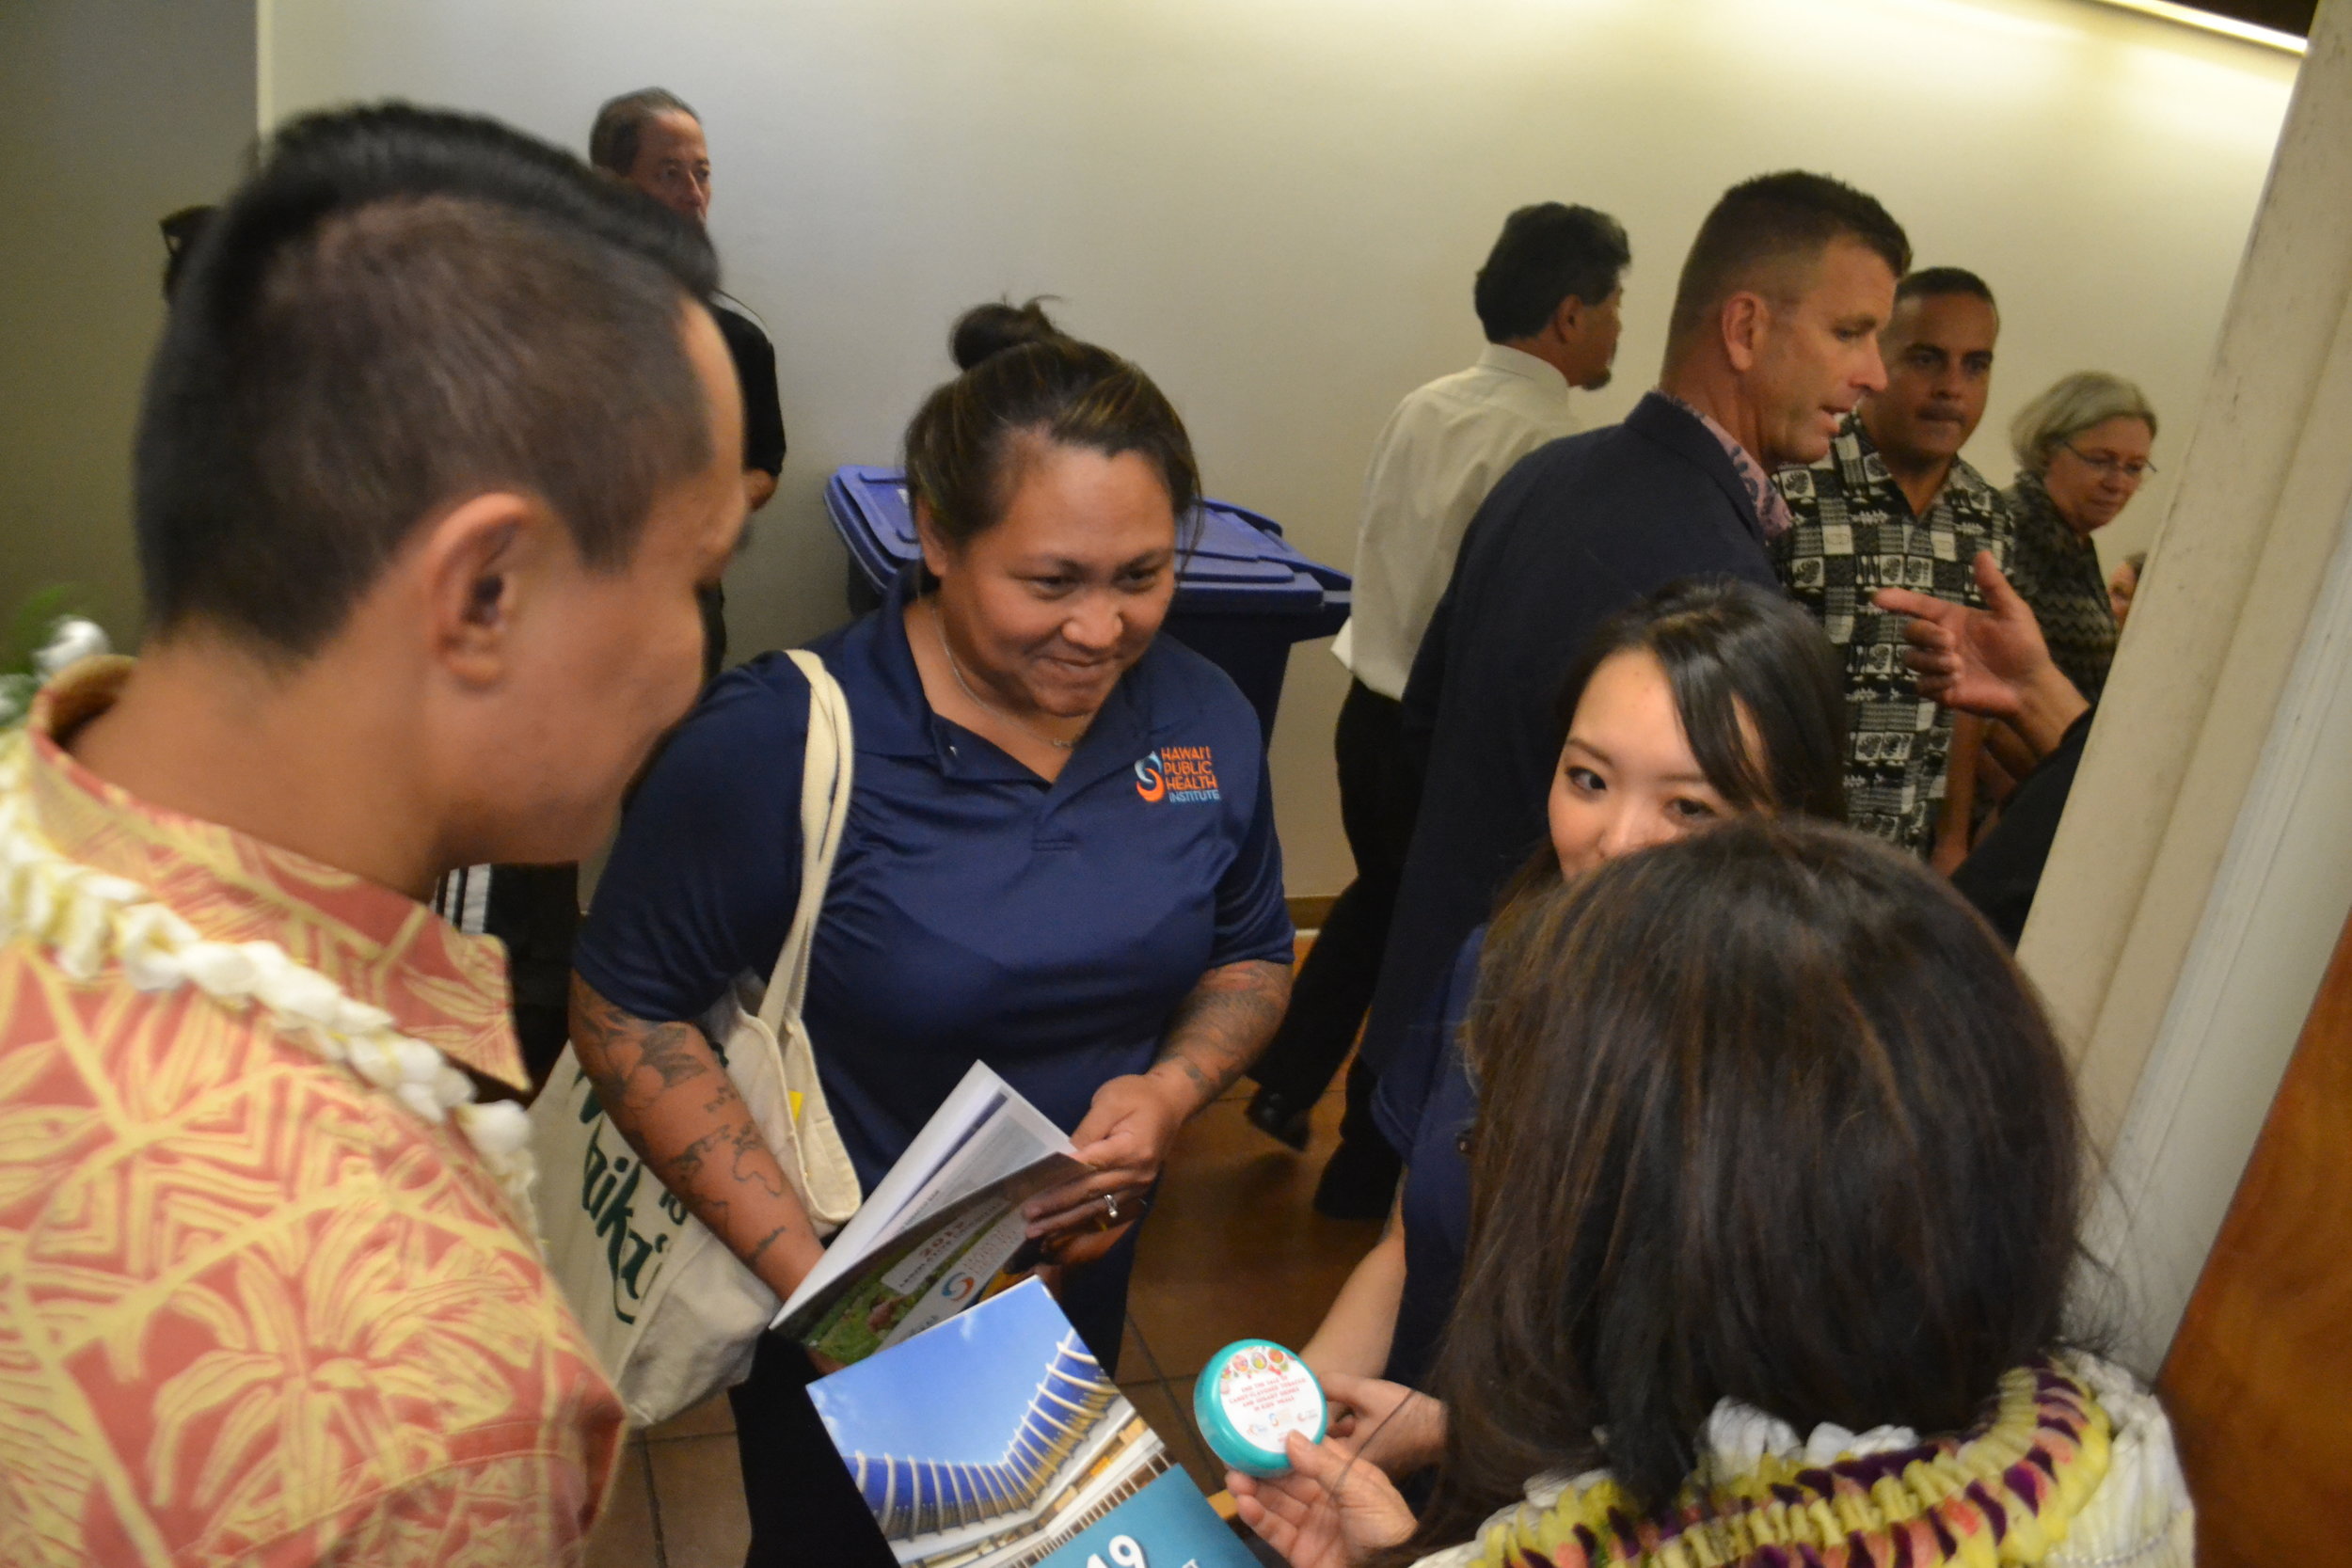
x,y
1216,1032
663,1087
1221,1027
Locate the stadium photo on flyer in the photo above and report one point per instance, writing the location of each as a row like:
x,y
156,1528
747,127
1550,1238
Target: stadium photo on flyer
x,y
995,1440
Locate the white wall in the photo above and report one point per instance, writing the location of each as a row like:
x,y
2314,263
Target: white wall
x,y
119,111
1275,205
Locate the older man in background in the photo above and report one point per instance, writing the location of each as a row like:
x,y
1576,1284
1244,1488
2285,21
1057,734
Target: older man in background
x,y
1895,505
1548,300
649,139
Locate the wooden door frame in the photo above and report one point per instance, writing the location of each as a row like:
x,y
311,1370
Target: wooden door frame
x,y
2279,900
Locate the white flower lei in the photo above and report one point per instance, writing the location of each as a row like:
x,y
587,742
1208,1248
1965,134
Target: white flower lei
x,y
88,918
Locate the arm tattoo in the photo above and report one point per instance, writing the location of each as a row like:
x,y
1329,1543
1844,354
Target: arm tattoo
x,y
761,1245
751,1161
668,1095
633,1062
1220,1028
740,1146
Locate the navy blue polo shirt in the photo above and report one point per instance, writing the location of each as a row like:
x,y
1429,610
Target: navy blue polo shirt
x,y
1424,1105
976,911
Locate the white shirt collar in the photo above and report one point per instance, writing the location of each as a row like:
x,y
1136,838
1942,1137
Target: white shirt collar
x,y
1511,361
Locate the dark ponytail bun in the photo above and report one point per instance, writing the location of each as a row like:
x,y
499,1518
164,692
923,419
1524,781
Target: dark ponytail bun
x,y
985,331
1023,377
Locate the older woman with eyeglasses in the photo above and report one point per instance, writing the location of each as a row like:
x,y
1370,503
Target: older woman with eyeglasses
x,y
2082,452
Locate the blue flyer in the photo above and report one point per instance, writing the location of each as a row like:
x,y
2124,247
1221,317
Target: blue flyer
x,y
1164,1526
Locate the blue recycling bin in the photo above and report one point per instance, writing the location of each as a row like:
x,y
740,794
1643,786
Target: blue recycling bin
x,y
1243,597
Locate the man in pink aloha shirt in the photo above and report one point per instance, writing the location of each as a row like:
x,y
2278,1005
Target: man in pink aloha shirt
x,y
439,444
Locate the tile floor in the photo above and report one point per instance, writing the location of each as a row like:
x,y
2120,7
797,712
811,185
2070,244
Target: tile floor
x,y
1234,1249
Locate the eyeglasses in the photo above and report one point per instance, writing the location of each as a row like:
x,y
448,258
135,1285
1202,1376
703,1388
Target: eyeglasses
x,y
2134,469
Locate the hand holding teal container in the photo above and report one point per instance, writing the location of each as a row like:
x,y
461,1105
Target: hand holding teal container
x,y
1252,1395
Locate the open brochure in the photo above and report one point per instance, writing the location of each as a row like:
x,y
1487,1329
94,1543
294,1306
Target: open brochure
x,y
943,1232
995,1441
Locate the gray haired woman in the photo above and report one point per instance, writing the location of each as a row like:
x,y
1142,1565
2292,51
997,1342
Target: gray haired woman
x,y
2082,451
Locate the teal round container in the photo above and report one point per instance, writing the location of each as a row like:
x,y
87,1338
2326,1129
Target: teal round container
x,y
1251,1396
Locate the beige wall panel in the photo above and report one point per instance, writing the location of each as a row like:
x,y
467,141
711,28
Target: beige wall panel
x,y
119,112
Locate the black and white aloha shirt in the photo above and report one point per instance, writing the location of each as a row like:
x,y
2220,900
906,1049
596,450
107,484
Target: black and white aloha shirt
x,y
1853,533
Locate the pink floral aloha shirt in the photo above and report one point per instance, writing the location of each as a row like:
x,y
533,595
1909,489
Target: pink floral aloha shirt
x,y
253,1310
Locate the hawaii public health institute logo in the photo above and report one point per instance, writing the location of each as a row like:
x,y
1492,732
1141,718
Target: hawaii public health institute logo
x,y
1181,774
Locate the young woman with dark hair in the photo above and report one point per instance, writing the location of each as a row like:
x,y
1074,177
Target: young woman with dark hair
x,y
1778,1176
1708,699
1059,859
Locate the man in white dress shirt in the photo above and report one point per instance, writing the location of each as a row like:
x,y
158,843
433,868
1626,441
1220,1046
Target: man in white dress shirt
x,y
1548,298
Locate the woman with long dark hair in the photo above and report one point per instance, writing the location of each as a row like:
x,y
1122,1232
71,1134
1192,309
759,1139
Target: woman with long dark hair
x,y
1708,699
1778,1181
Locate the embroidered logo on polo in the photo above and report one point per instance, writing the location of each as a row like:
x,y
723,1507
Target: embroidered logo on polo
x,y
1182,775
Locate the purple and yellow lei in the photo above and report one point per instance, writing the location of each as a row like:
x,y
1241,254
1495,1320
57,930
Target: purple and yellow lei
x,y
2005,1493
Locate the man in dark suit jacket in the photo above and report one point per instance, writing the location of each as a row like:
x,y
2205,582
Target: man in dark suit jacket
x,y
1773,340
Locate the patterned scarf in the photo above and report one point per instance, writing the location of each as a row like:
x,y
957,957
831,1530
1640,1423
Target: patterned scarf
x,y
2057,571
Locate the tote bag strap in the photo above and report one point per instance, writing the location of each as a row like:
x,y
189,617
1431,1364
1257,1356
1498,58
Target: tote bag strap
x,y
825,776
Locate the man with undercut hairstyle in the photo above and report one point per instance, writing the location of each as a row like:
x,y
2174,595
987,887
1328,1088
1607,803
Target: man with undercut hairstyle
x,y
1895,505
1773,340
438,443
651,141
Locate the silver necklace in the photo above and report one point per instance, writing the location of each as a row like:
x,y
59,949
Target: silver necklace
x,y
939,624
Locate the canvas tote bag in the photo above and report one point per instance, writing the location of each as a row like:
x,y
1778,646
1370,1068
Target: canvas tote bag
x,y
673,1313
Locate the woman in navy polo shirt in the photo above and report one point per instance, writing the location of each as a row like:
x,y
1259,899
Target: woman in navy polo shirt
x,y
1706,699
1059,859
